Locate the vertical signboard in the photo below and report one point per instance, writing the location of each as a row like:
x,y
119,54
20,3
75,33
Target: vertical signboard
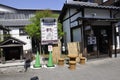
x,y
49,32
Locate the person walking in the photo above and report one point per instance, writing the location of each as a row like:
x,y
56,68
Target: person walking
x,y
27,64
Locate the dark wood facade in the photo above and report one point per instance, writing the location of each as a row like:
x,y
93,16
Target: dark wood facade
x,y
12,48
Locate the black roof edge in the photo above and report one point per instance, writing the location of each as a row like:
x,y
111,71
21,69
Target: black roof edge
x,y
92,6
9,38
62,13
83,6
8,6
99,19
57,11
38,10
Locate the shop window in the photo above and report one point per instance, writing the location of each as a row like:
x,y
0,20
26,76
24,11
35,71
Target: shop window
x,y
76,35
22,32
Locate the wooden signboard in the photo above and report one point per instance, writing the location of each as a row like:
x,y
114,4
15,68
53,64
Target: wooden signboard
x,y
56,54
73,48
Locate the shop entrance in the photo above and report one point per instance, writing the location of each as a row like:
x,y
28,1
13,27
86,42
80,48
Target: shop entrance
x,y
98,44
12,53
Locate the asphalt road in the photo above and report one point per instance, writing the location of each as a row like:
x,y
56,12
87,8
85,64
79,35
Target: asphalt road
x,y
102,69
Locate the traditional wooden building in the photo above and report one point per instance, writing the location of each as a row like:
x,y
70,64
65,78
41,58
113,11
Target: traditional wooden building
x,y
93,25
12,48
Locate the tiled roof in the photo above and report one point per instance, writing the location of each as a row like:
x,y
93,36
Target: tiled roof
x,y
89,4
56,11
16,42
79,5
82,3
14,22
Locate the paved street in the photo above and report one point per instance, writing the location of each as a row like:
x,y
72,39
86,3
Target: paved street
x,y
101,69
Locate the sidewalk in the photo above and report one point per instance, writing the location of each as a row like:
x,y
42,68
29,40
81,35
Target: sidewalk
x,y
21,62
95,69
13,63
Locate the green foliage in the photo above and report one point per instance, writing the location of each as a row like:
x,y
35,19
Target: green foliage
x,y
4,36
60,32
33,29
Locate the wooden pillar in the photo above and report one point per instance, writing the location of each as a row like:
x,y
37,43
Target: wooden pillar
x,y
21,52
98,51
115,41
84,41
110,42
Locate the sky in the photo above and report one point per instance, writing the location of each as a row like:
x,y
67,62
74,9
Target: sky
x,y
34,4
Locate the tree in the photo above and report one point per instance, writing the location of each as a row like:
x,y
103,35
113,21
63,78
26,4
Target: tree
x,y
33,29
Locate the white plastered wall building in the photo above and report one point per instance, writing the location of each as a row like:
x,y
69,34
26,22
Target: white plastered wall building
x,y
16,20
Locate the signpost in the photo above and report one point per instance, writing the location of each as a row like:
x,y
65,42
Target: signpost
x,y
50,60
49,36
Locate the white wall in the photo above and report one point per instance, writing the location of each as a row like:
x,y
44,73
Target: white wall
x,y
117,15
118,39
98,13
15,33
1,35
